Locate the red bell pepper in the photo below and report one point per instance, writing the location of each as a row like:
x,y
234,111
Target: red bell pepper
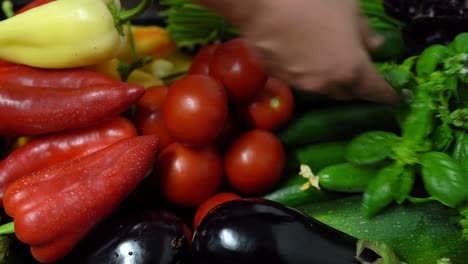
x,y
53,209
28,110
48,150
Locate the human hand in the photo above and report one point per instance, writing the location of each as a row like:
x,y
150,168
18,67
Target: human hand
x,y
315,45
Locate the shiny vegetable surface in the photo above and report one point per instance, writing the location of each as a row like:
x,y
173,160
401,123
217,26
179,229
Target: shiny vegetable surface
x,y
186,176
254,162
16,74
28,110
137,236
272,107
346,177
195,109
235,64
201,60
148,115
53,149
418,234
210,203
336,123
56,207
97,36
252,230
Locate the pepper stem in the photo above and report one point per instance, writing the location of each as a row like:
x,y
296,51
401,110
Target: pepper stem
x,y
126,15
123,16
8,228
7,8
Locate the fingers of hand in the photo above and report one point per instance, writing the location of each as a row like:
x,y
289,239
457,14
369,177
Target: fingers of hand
x,y
370,40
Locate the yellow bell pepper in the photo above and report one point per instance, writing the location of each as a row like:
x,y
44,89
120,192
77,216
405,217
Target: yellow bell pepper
x,y
66,33
109,67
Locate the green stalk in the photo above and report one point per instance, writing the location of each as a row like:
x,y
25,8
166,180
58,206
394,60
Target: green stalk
x,y
8,228
7,8
123,16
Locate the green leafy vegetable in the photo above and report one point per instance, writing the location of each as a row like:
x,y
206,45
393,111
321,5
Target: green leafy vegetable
x,y
191,24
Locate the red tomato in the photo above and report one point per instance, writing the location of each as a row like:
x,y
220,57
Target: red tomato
x,y
188,176
209,204
254,162
231,130
235,64
148,116
201,61
272,107
195,109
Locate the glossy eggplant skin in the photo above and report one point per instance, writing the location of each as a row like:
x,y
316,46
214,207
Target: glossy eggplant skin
x,y
141,237
253,230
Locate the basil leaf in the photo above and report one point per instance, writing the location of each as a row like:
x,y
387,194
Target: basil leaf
x,y
379,191
444,178
443,137
370,147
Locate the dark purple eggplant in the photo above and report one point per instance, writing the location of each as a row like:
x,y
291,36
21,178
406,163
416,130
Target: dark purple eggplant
x,y
135,237
253,230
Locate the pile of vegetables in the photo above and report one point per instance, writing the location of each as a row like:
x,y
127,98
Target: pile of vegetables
x,y
171,144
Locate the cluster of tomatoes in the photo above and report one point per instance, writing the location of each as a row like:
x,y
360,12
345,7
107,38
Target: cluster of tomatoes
x,y
217,128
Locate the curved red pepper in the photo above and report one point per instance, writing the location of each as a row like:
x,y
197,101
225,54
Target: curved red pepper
x,y
16,74
26,110
32,5
55,208
45,151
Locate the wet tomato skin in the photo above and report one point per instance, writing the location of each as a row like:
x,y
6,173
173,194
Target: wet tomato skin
x,y
201,61
236,65
254,162
148,116
195,109
212,202
187,176
272,107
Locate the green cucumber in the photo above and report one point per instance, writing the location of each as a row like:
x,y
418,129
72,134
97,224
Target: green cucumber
x,y
289,192
393,48
418,234
346,177
336,123
317,156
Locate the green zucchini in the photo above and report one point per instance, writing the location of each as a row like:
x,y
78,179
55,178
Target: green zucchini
x,y
336,123
418,234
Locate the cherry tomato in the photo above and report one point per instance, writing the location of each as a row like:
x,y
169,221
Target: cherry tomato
x,y
235,64
201,61
272,107
188,176
195,109
231,130
148,116
210,203
254,162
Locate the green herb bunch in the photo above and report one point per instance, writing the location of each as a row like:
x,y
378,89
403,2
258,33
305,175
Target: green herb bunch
x,y
432,146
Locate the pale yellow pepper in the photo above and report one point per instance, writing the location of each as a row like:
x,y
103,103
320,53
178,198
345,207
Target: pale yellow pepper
x,y
66,33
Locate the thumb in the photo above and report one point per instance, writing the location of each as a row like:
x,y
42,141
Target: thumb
x,y
371,86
